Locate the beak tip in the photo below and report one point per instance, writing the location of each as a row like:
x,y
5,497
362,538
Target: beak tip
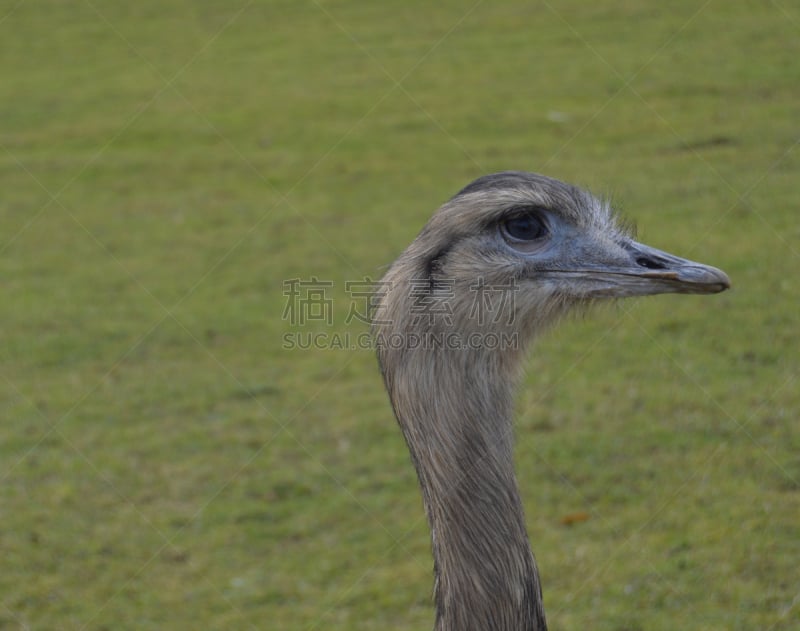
x,y
694,279
717,281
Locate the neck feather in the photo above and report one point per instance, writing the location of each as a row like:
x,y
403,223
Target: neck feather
x,y
455,407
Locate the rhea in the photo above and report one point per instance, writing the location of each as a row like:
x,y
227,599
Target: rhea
x,y
495,265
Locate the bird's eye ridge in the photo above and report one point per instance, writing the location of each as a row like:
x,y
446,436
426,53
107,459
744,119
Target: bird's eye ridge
x,y
525,228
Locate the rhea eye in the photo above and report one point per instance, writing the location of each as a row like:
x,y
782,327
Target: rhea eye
x,y
524,228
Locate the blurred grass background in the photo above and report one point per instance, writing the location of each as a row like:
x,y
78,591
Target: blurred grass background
x,y
166,464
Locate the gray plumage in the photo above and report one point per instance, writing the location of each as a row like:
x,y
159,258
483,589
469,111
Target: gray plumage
x,y
500,261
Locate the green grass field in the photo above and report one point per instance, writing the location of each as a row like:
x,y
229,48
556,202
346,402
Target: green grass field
x,y
165,463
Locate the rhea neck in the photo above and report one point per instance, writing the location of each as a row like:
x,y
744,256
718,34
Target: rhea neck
x,y
455,408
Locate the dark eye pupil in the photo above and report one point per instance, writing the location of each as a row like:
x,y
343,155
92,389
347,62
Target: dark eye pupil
x,y
525,228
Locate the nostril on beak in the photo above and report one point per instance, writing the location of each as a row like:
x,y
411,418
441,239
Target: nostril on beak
x,y
649,263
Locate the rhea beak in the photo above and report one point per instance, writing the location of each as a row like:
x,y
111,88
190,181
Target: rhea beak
x,y
641,270
681,275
